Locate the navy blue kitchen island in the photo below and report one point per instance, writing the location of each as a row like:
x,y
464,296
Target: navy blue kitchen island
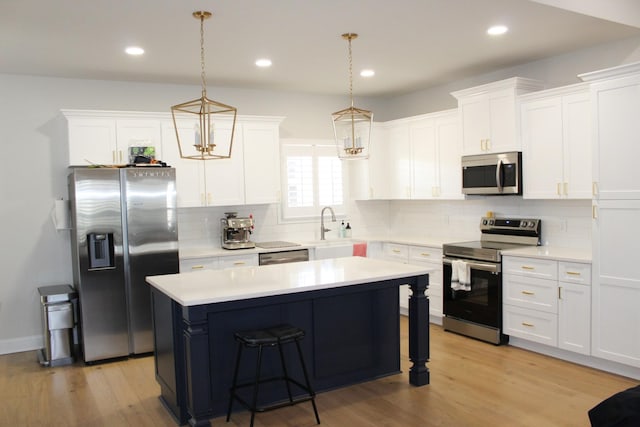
x,y
347,306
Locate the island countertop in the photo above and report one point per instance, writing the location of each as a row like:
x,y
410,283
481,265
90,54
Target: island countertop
x,y
211,286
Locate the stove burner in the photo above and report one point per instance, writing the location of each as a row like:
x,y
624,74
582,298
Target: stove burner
x,y
498,234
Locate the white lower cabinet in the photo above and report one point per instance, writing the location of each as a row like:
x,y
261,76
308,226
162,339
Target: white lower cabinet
x,y
218,263
432,258
419,255
548,302
198,264
234,261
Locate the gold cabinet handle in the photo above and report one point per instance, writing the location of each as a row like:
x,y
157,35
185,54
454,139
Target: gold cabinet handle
x,y
558,192
594,188
197,267
425,254
565,188
559,292
526,267
239,263
573,273
594,212
528,293
396,251
528,325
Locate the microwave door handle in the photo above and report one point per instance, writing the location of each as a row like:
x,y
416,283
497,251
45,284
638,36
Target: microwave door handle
x,y
499,175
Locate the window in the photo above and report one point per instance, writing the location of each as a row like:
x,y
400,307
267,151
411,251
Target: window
x,y
312,178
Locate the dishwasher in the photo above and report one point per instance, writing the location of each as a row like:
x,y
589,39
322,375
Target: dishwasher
x,y
283,257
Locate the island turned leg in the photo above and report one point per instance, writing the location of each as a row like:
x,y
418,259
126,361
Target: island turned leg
x,y
419,331
198,376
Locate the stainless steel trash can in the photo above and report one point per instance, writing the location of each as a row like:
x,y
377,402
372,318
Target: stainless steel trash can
x,y
58,322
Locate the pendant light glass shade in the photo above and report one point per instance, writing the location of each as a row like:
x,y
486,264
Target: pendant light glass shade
x,y
204,128
352,126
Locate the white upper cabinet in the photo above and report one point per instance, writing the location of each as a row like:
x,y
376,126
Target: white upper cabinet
x,y
224,178
369,179
261,161
138,137
615,96
399,160
96,137
411,158
190,184
556,143
424,156
250,176
488,114
436,150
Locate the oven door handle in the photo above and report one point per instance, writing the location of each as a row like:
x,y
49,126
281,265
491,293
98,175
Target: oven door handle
x,y
490,267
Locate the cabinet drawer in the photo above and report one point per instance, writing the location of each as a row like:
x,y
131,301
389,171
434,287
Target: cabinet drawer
x,y
531,292
238,261
532,325
435,305
541,268
574,272
435,281
425,254
197,264
395,251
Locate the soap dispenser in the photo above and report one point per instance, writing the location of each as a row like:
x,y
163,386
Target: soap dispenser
x,y
347,230
343,230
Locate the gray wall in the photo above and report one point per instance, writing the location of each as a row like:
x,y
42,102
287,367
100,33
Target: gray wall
x,y
554,71
33,150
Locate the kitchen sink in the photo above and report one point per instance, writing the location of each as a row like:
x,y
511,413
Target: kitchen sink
x,y
334,248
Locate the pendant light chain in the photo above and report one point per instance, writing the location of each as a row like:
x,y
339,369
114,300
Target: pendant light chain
x,y
202,72
350,71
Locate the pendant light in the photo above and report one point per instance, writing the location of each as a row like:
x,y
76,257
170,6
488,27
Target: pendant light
x,y
213,122
352,126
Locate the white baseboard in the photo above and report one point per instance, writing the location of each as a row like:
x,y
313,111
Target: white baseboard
x,y
590,361
18,345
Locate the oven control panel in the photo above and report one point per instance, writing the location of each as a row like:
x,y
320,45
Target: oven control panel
x,y
494,224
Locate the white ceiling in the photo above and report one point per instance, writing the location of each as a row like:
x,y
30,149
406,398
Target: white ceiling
x,y
411,44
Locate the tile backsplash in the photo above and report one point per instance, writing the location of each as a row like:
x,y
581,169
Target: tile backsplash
x,y
565,223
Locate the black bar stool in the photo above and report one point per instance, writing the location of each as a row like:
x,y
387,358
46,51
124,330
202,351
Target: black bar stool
x,y
271,337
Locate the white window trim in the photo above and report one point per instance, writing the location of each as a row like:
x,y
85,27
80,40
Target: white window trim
x,y
312,214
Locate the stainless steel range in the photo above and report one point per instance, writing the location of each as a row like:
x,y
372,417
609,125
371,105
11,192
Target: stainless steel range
x,y
472,277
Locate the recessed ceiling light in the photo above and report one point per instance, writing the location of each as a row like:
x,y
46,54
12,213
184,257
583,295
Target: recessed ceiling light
x,y
134,50
497,30
367,73
263,63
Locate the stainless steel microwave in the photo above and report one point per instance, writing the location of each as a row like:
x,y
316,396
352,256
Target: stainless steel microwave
x,y
491,174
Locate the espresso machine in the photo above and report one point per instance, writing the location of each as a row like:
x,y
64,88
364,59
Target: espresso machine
x,y
236,232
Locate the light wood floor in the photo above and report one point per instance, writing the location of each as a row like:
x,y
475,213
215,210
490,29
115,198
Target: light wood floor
x,y
472,384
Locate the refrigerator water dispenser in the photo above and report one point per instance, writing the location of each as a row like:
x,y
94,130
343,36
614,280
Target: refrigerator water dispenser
x,y
100,250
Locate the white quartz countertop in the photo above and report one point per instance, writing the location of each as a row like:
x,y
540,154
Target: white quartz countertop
x,y
552,252
211,286
546,252
191,252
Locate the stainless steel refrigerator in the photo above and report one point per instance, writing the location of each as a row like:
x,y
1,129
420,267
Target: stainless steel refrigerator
x,y
124,228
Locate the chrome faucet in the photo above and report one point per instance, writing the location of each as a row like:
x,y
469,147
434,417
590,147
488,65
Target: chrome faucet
x,y
333,218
